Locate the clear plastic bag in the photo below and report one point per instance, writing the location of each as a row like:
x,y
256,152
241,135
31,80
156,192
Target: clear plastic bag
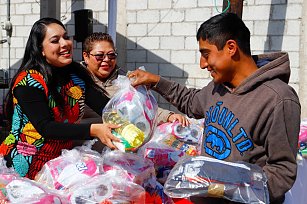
x,y
111,187
206,177
16,189
186,139
71,167
138,169
135,110
23,190
160,154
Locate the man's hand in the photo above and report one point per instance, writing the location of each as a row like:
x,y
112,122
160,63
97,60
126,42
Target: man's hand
x,y
140,77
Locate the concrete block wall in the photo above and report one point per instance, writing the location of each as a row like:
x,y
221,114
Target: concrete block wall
x,y
160,34
171,26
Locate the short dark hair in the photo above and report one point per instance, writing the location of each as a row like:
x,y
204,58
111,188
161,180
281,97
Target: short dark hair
x,y
96,37
222,27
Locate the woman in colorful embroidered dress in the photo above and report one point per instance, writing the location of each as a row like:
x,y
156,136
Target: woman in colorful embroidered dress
x,y
46,101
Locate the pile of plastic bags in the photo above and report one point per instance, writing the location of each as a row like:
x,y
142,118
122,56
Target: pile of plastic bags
x,y
152,164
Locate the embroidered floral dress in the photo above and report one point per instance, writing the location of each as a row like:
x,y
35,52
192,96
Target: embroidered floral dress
x,y
24,148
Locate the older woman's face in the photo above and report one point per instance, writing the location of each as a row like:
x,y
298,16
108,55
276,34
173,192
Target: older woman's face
x,y
101,60
57,47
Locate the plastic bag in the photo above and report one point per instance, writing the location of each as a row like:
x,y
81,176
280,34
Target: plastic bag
x,y
138,169
96,189
111,187
135,110
23,190
160,154
71,167
207,177
186,139
6,176
16,189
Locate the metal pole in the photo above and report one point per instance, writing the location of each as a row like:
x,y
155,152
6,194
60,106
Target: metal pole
x,y
50,8
236,6
112,14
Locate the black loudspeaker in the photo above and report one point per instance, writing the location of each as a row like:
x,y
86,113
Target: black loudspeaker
x,y
83,24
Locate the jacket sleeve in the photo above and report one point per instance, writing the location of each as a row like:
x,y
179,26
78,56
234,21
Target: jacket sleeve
x,y
186,100
281,148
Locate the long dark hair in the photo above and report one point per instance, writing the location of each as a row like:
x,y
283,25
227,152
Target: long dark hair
x,y
34,59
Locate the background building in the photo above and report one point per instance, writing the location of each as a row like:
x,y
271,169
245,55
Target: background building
x,y
160,34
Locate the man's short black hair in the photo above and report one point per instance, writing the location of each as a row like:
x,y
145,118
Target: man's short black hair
x,y
222,27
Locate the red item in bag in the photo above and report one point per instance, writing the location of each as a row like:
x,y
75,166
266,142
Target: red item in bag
x,y
181,201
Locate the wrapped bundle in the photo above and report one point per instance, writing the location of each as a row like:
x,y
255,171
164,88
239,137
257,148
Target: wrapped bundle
x,y
207,177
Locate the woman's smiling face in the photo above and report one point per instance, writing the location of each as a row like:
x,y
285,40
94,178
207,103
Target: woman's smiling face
x,y
56,46
101,60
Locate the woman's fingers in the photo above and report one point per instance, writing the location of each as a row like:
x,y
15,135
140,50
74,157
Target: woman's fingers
x,y
110,144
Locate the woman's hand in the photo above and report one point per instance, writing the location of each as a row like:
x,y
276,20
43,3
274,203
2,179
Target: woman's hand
x,y
140,77
179,118
103,132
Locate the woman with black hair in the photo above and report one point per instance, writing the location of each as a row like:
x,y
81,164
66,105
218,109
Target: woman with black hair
x,y
46,101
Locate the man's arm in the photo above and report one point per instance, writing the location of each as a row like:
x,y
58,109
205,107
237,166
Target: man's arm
x,y
186,100
281,148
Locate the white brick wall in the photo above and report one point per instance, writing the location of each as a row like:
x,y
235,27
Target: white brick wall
x,y
161,29
148,16
190,43
194,71
136,56
185,4
160,34
25,8
95,5
23,31
253,12
294,11
198,14
172,15
289,43
148,43
184,29
173,43
136,29
183,56
293,27
136,4
171,70
159,4
159,56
